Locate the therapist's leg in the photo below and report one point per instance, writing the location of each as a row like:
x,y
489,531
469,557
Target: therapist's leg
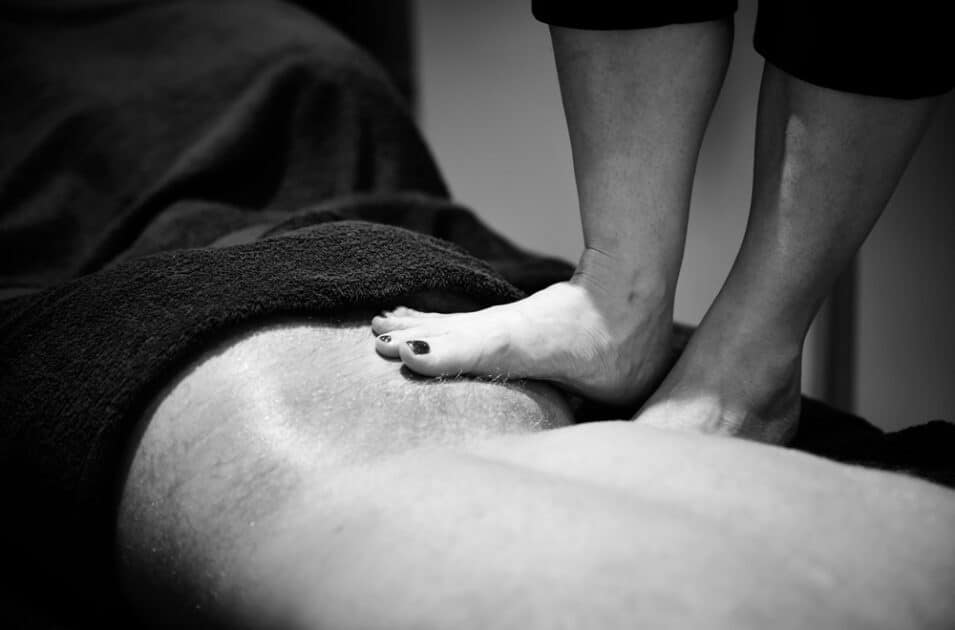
x,y
827,162
637,104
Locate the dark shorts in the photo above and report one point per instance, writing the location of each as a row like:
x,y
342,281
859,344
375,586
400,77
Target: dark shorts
x,y
874,49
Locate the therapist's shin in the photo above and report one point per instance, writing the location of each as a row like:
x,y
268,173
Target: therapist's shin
x,y
637,104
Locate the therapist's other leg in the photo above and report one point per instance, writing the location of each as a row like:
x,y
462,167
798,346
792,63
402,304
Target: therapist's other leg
x,y
637,103
827,162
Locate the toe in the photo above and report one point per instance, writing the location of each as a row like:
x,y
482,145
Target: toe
x,y
387,344
382,324
443,355
438,321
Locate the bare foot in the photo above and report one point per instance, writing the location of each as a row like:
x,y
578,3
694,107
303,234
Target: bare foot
x,y
606,342
718,389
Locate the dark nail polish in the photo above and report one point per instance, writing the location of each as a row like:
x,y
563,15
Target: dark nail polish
x,y
385,338
419,347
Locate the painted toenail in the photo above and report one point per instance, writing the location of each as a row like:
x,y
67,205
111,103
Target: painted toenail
x,y
385,338
419,347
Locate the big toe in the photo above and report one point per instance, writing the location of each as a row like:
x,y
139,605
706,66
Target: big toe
x,y
446,355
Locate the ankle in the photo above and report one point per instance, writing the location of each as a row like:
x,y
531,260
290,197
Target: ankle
x,y
621,281
763,371
742,391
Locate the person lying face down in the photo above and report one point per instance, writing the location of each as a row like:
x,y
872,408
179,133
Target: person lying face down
x,y
291,478
195,422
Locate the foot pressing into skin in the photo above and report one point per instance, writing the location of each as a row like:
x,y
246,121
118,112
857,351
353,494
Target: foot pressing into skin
x,y
606,344
752,393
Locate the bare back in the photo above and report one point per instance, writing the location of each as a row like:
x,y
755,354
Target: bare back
x,y
297,478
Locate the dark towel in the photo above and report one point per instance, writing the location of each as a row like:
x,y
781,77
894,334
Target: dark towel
x,y
79,362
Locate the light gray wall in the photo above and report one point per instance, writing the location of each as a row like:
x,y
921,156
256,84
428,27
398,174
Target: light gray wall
x,y
491,109
906,349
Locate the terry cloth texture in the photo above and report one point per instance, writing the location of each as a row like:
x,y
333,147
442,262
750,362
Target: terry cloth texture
x,y
877,49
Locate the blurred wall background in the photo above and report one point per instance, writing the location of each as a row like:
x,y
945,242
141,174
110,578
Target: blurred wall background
x,y
490,106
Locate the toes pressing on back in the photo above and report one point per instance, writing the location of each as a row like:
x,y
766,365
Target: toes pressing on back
x,y
441,355
387,343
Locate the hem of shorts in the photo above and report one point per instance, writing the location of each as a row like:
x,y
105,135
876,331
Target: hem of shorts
x,y
842,81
